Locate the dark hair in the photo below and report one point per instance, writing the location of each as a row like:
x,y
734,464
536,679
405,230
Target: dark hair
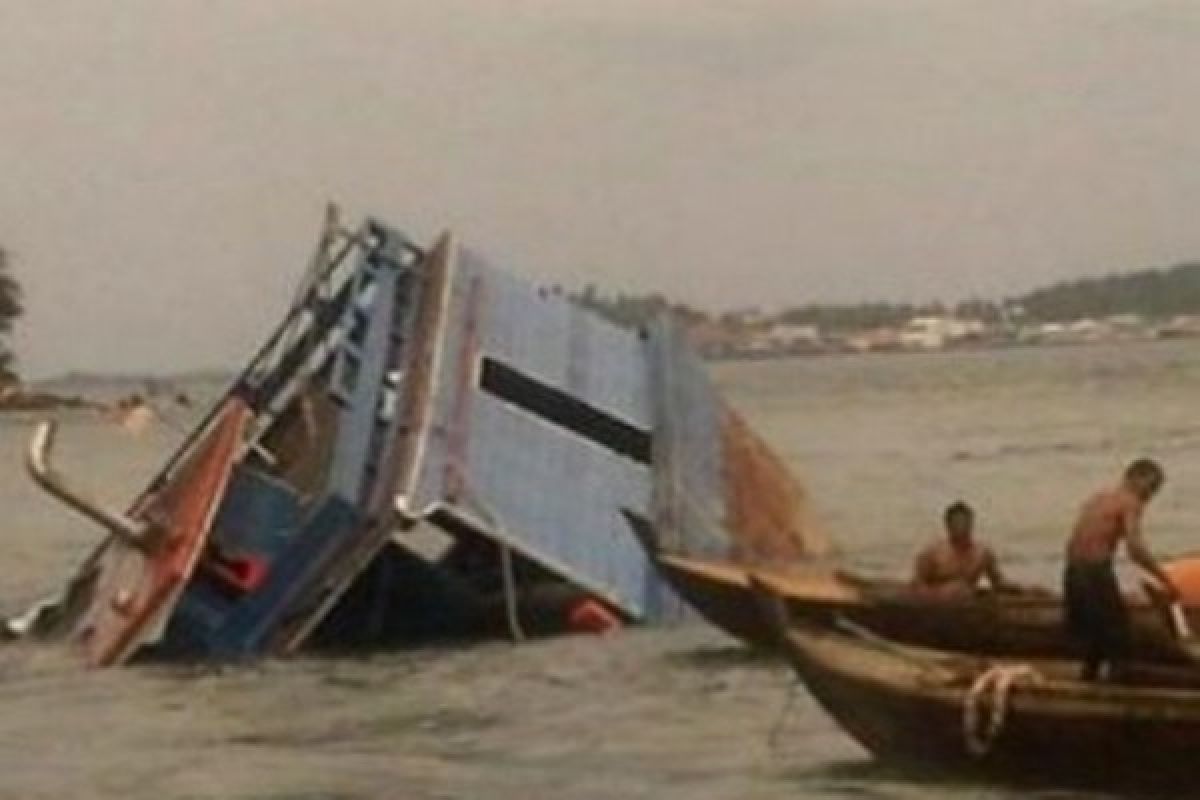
x,y
1145,468
957,508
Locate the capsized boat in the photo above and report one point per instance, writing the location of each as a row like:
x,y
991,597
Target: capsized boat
x,y
1028,623
426,446
1021,721
117,599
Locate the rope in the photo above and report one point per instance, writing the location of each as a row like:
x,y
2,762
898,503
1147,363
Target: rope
x,y
510,594
983,721
777,727
507,574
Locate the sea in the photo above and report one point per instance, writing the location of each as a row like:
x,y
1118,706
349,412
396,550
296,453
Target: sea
x,y
882,443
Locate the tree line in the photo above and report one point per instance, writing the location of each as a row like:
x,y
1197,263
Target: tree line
x,y
1150,293
1154,293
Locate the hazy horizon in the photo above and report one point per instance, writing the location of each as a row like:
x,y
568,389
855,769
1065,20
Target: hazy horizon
x,y
167,163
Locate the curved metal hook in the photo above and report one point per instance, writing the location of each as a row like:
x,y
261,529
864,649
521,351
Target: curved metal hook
x,y
37,462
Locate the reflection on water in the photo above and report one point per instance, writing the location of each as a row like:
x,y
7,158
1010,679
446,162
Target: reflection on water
x,y
882,442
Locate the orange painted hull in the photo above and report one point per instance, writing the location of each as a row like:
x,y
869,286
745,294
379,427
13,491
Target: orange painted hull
x,y
135,590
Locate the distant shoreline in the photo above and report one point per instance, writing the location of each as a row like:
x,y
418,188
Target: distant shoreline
x,y
99,393
23,399
40,395
982,347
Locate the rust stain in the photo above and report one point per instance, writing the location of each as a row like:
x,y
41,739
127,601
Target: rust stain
x,y
767,510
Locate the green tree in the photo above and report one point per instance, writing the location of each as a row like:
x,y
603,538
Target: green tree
x,y
1150,292
10,310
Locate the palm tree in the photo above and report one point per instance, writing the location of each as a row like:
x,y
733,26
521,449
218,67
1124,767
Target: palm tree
x,y
10,310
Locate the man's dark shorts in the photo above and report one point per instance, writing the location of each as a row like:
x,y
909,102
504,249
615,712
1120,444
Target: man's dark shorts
x,y
1095,613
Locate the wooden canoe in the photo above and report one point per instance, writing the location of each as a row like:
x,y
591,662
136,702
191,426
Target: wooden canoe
x,y
917,706
1002,624
720,592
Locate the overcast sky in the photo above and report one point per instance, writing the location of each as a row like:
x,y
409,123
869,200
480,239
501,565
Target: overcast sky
x,y
164,163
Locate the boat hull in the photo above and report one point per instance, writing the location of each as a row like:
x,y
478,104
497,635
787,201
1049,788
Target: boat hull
x,y
1026,624
909,710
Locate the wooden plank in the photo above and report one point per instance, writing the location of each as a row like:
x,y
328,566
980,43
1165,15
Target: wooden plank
x,y
821,585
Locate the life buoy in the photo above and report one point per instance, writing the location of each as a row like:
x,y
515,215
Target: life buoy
x,y
1185,577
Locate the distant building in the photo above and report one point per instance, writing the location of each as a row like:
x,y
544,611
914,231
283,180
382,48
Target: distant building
x,y
1180,327
937,332
747,318
1089,330
789,338
716,340
1079,331
878,340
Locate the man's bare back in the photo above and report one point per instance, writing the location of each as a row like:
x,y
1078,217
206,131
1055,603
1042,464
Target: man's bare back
x,y
1102,524
1095,613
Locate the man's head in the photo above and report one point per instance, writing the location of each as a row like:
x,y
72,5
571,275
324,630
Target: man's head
x,y
1144,478
959,520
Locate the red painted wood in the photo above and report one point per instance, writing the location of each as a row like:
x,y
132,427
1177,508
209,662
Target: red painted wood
x,y
135,591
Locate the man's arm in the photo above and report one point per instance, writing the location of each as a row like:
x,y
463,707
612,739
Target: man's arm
x,y
1139,553
924,572
995,578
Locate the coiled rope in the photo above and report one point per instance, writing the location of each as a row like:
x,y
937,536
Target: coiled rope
x,y
983,720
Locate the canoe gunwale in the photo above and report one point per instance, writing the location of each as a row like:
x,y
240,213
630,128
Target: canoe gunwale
x,y
948,676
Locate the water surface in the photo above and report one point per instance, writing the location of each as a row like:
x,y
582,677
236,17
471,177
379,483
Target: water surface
x,y
883,443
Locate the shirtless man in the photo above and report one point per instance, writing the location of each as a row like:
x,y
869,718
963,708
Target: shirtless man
x,y
1095,613
954,566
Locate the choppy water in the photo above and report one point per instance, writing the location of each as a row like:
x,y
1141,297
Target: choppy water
x,y
883,443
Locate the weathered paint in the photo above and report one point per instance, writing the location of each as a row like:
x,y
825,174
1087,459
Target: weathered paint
x,y
365,379
420,389
408,378
689,493
540,488
134,589
720,491
768,513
